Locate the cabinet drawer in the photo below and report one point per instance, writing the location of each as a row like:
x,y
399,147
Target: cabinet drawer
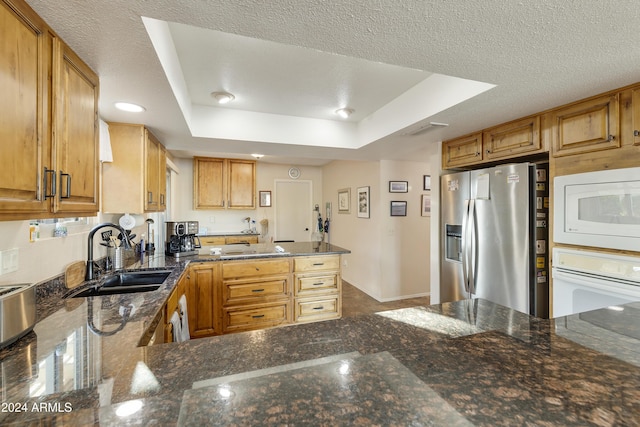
x,y
309,284
255,317
315,263
255,268
313,309
241,239
242,290
212,240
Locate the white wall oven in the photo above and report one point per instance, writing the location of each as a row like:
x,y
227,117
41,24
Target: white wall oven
x,y
599,209
587,280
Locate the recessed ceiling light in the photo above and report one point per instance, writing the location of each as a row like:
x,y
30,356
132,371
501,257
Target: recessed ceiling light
x,y
345,112
129,107
257,156
223,97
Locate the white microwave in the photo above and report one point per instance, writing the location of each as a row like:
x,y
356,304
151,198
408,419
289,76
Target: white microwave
x,y
599,209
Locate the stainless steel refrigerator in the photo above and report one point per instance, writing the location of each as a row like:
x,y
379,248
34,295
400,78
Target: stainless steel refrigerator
x,y
494,236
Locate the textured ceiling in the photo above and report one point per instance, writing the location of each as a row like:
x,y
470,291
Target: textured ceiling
x,y
539,54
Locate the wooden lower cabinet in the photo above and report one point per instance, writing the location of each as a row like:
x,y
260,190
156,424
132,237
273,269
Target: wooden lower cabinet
x,y
202,299
172,305
255,294
243,295
317,288
227,240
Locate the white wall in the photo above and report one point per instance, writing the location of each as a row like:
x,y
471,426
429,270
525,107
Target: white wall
x,y
391,256
223,220
361,236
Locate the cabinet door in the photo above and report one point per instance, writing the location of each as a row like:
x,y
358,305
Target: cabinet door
x,y
152,173
242,184
208,183
202,300
162,178
586,127
635,104
513,139
75,132
25,63
463,151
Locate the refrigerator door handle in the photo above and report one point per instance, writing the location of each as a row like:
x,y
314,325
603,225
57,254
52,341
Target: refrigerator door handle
x,y
471,247
464,246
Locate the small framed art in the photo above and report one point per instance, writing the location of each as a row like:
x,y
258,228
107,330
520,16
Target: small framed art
x,y
426,205
398,208
398,186
265,198
344,201
363,202
426,182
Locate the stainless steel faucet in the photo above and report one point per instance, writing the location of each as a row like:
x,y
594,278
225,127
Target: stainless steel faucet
x,y
126,244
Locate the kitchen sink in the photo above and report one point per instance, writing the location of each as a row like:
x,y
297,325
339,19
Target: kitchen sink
x,y
125,283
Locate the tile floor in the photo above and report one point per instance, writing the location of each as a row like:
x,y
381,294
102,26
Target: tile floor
x,y
355,302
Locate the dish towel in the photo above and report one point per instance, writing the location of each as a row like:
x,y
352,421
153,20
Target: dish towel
x,y
182,307
177,326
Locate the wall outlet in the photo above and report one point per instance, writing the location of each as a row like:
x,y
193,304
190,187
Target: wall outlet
x,y
344,262
9,261
212,219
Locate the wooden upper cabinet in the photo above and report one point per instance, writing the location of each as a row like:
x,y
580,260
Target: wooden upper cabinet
x,y
152,172
242,184
75,132
209,183
463,151
635,104
585,127
135,181
224,183
513,139
25,64
48,121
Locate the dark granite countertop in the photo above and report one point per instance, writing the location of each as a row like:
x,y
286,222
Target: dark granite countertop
x,y
464,363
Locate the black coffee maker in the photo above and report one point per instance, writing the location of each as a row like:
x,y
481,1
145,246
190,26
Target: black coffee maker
x,y
182,239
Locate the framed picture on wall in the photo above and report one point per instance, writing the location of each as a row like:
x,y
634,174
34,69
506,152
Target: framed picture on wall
x,y
363,202
426,205
398,186
265,198
344,201
426,182
398,208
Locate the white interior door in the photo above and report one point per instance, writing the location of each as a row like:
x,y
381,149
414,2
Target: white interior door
x,y
293,210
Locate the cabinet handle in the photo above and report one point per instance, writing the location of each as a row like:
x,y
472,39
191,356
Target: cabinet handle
x,y
636,133
161,199
319,263
150,197
319,308
257,290
257,269
318,284
46,184
612,137
257,316
477,153
68,196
